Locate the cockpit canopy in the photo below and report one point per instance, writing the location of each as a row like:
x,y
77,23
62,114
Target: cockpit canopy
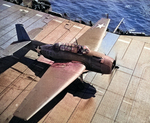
x,y
74,48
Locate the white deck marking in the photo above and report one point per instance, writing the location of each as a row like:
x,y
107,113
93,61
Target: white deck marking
x,y
100,91
57,21
39,15
6,5
26,11
123,41
147,48
127,102
77,27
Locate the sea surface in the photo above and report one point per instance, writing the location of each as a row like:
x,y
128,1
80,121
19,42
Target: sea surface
x,y
136,13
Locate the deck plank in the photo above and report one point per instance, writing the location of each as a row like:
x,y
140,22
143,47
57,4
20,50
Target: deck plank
x,y
27,16
4,5
8,11
6,100
8,112
109,106
6,116
2,88
17,91
125,110
10,31
86,108
48,29
5,21
120,85
89,77
33,25
102,81
143,62
99,118
71,34
140,111
120,48
81,33
36,27
128,101
57,33
6,80
132,88
67,106
129,60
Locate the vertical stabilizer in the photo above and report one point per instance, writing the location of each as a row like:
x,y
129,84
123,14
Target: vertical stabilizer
x,y
21,33
23,40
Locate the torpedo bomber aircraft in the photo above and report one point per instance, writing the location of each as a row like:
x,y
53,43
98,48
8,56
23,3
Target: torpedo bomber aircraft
x,y
70,61
73,52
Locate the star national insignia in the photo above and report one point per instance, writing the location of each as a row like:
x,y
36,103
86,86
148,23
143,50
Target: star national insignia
x,y
100,25
38,49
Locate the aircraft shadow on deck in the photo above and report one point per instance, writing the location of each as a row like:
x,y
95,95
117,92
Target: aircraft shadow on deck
x,y
77,88
82,90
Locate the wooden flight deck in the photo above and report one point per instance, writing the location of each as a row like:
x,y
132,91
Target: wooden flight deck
x,y
121,97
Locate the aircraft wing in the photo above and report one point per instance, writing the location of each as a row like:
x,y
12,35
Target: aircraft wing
x,y
55,79
93,37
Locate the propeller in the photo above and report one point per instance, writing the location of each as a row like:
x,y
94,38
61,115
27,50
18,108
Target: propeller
x,y
114,68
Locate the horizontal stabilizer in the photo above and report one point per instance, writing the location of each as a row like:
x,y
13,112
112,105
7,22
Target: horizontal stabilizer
x,y
14,47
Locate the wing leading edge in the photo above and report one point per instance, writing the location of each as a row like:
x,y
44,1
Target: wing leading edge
x,y
55,79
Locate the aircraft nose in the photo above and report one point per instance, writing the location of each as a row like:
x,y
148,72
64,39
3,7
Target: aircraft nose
x,y
107,65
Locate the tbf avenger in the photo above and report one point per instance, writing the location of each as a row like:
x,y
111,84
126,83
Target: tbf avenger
x,y
70,61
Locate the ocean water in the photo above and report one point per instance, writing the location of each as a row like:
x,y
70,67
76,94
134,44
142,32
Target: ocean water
x,y
136,13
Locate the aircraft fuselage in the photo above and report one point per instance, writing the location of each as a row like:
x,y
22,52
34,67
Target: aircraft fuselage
x,y
93,61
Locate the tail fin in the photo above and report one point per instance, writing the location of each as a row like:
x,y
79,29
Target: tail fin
x,y
23,40
21,33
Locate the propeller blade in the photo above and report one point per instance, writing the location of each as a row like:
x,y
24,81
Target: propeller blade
x,y
114,68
